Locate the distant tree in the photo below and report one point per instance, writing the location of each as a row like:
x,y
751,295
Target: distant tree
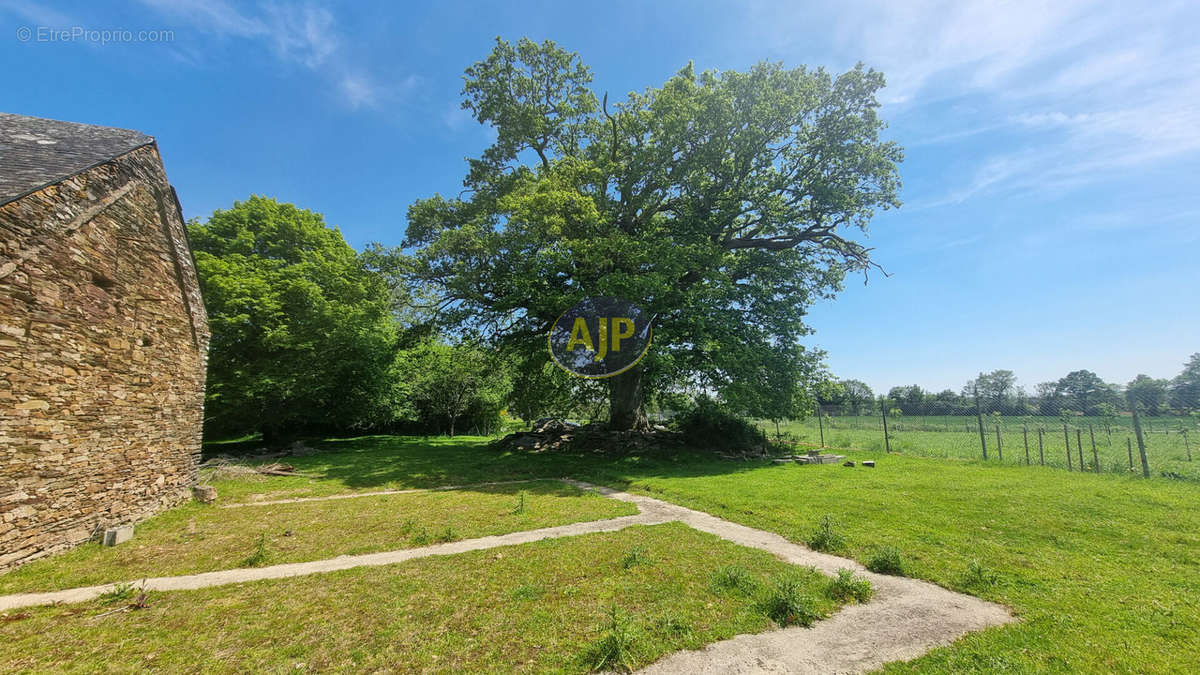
x,y
1083,390
995,390
910,399
450,382
1185,388
724,203
1151,393
302,338
857,395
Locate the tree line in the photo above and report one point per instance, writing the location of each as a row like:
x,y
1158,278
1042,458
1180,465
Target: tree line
x,y
1078,392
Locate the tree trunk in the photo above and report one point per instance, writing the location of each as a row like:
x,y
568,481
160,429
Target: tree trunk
x,y
625,401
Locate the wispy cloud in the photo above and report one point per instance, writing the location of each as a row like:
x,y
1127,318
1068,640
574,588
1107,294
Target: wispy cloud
x,y
1050,95
306,36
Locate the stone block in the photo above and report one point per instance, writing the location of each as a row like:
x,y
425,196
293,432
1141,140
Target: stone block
x,y
205,493
118,535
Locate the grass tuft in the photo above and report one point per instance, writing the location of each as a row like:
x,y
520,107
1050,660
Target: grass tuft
x,y
826,537
616,649
978,577
846,587
734,578
788,605
636,556
261,555
886,560
519,509
119,593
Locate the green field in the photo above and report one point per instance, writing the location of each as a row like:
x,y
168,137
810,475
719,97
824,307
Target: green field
x,y
1167,449
1103,571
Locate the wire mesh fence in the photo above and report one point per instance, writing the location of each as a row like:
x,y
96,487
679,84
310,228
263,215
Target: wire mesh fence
x,y
1145,432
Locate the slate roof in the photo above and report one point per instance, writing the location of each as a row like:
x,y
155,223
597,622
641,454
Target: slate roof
x,y
36,152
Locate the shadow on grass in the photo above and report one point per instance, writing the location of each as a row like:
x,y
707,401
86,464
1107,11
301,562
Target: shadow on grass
x,y
422,462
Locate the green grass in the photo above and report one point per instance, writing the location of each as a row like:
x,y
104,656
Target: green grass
x,y
203,538
471,612
1103,570
958,437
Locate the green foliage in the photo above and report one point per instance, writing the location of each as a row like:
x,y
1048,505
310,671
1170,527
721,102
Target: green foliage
x,y
636,556
519,509
699,200
119,593
710,425
978,577
847,586
302,338
617,645
886,560
734,578
826,537
788,605
261,555
454,386
526,592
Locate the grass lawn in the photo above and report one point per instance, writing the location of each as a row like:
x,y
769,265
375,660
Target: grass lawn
x,y
202,538
1104,570
536,607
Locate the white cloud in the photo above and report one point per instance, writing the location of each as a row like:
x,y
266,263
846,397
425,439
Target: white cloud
x,y
303,35
1067,92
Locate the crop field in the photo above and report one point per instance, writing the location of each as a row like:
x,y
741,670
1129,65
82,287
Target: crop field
x,y
1171,442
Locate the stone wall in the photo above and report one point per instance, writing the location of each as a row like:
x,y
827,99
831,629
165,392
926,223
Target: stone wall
x,y
103,342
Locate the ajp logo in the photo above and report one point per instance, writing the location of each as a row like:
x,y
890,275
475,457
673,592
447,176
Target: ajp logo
x,y
600,337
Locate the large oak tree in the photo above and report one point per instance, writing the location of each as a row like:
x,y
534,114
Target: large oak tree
x,y
724,203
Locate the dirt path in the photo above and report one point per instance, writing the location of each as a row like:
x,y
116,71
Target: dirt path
x,y
905,618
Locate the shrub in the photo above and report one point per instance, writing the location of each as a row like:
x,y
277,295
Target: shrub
x,y
846,587
886,561
734,578
788,605
709,423
825,537
615,650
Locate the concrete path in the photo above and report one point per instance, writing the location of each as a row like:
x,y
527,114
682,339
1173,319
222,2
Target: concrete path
x,y
904,619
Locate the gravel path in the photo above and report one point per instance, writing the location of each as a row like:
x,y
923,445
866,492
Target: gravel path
x,y
904,619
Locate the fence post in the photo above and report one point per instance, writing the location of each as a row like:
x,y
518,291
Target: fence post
x,y
999,444
821,425
1079,446
1025,434
1041,448
979,421
887,444
1095,457
1137,431
1186,444
1129,447
1067,437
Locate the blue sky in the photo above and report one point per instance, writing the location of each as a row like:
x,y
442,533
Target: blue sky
x,y
1050,219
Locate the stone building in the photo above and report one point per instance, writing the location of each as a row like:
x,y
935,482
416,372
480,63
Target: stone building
x,y
103,336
